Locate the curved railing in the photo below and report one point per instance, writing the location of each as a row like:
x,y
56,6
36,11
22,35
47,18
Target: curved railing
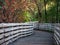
x,y
10,32
57,34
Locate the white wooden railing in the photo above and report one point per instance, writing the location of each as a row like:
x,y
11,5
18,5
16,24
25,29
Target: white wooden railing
x,y
57,34
46,26
35,24
10,32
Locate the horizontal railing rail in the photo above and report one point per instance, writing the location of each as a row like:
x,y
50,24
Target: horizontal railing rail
x,y
46,26
10,32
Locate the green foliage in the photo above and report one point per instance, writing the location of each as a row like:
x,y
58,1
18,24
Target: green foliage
x,y
27,16
51,12
29,10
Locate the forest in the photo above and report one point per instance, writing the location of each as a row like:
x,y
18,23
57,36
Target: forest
x,y
16,11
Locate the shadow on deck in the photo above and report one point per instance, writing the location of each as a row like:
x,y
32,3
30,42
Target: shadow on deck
x,y
38,38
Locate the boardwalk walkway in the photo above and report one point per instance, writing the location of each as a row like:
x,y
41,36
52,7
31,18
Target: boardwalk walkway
x,y
38,38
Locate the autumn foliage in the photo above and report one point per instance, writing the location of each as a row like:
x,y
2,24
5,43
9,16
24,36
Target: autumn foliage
x,y
12,10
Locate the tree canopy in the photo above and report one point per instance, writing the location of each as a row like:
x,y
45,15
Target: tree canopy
x,y
29,10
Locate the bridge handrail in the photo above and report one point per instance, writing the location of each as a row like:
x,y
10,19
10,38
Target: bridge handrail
x,y
57,34
10,32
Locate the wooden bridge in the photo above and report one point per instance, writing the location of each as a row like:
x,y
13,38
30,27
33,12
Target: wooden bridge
x,y
23,34
38,38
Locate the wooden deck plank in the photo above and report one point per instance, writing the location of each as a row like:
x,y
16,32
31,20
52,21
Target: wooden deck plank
x,y
38,38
